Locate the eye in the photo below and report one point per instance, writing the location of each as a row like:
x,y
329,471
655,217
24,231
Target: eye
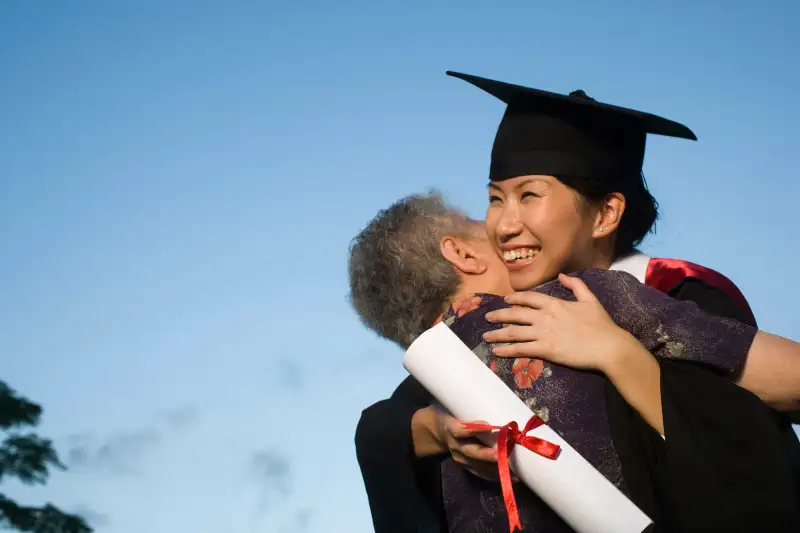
x,y
527,194
493,198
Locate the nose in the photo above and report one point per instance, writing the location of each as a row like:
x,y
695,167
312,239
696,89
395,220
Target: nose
x,y
509,225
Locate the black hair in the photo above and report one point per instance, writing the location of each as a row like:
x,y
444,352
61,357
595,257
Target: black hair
x,y
641,208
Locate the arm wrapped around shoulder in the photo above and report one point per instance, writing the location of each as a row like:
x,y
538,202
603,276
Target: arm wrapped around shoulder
x,y
667,327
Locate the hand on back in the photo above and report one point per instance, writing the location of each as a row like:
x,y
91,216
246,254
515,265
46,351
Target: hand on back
x,y
577,334
464,446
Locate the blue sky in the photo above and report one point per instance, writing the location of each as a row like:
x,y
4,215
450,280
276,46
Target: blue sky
x,y
179,182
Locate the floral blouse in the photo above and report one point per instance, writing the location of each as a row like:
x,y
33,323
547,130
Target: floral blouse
x,y
572,402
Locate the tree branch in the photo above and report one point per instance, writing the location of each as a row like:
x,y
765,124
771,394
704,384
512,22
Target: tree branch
x,y
47,519
16,411
28,458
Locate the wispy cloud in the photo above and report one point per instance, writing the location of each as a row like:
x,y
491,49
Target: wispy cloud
x,y
302,519
297,522
290,375
272,470
122,453
177,419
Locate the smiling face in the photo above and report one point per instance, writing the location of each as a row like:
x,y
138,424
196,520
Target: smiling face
x,y
542,228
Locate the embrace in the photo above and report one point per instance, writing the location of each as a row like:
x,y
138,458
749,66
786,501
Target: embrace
x,y
654,370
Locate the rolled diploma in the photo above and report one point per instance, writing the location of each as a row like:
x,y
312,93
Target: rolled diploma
x,y
570,485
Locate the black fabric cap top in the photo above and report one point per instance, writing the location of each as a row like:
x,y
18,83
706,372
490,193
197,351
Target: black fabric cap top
x,y
544,133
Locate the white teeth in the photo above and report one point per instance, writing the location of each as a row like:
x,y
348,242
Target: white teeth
x,y
519,253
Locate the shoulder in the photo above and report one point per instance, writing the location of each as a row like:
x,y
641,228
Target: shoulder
x,y
711,300
604,284
610,279
381,419
711,290
467,318
410,390
474,305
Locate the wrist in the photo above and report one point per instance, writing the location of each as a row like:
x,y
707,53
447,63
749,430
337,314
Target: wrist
x,y
622,349
426,434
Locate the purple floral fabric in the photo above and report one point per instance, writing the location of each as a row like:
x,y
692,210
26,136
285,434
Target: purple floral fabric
x,y
572,402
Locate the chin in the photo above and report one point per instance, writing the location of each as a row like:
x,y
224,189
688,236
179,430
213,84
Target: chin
x,y
530,278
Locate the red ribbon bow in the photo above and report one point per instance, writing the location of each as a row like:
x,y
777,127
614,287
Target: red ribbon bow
x,y
508,436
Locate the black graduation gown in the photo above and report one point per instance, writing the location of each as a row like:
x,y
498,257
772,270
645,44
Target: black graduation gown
x,y
692,485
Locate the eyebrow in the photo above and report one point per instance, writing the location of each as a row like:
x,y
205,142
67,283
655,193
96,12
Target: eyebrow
x,y
518,186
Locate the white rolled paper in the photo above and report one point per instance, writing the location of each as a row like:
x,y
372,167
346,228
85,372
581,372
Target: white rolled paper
x,y
570,485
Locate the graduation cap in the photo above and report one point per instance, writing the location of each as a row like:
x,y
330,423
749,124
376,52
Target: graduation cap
x,y
553,134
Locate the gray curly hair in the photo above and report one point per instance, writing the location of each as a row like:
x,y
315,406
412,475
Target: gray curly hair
x,y
399,280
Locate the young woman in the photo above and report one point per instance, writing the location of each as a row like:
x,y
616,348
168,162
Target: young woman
x,y
567,194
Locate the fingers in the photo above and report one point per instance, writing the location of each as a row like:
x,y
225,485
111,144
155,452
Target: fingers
x,y
462,442
456,428
535,300
511,334
581,291
471,449
512,315
474,450
478,459
534,350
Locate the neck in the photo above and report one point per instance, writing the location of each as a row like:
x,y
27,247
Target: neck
x,y
603,252
462,292
469,287
474,284
602,256
604,263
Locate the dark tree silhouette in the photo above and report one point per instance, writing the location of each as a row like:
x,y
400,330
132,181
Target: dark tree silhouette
x,y
29,458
